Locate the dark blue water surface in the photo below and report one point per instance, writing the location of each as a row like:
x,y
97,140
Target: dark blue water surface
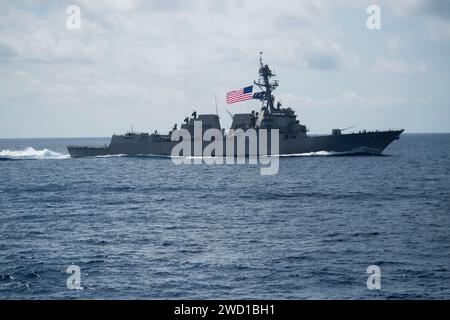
x,y
141,227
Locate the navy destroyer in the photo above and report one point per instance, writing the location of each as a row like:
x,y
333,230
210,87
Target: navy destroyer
x,y
293,136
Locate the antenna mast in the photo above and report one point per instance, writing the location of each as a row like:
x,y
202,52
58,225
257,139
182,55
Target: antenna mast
x,y
215,100
266,85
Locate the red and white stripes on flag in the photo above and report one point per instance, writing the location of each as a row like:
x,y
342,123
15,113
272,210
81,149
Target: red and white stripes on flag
x,y
240,95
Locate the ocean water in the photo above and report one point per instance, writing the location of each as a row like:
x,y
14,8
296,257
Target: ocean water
x,y
141,227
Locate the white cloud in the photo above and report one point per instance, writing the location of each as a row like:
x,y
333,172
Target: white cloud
x,y
394,46
396,66
104,5
162,44
352,100
164,57
434,15
198,31
439,30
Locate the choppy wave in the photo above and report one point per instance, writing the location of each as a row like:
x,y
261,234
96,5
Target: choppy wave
x,y
31,153
135,217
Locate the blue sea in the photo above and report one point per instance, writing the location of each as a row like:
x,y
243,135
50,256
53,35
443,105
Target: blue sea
x,y
144,228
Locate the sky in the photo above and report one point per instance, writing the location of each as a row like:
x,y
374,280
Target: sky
x,y
148,64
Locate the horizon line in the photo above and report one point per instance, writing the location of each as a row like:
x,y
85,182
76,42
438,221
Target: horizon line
x,y
98,137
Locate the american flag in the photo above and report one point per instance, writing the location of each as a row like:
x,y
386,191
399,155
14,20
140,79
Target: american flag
x,y
240,95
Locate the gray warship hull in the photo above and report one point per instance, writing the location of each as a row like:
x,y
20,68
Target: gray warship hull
x,y
373,143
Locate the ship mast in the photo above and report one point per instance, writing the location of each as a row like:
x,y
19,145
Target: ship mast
x,y
266,85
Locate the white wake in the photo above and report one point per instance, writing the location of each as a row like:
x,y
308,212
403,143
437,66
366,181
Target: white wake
x,y
31,153
314,154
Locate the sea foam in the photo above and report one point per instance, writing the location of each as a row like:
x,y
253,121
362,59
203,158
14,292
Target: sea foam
x,y
31,153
